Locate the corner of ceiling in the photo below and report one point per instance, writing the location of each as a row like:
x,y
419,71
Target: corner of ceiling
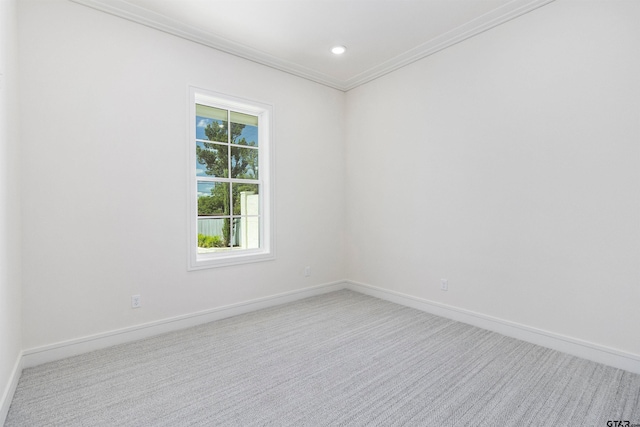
x,y
507,12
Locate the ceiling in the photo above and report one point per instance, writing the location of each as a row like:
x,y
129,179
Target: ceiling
x,y
296,35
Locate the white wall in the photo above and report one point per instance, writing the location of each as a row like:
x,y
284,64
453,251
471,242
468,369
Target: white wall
x,y
104,134
510,165
10,301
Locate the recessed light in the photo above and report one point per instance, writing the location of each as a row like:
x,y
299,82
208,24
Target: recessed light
x,y
338,50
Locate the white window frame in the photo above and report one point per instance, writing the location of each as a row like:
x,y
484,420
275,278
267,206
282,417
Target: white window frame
x,y
264,112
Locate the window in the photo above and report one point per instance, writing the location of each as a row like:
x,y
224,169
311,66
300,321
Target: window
x,y
231,211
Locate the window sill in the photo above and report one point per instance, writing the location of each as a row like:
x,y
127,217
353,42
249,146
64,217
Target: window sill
x,y
205,261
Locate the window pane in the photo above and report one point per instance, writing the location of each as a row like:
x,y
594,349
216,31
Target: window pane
x,y
246,199
246,232
213,198
211,123
244,129
212,236
244,119
244,163
212,159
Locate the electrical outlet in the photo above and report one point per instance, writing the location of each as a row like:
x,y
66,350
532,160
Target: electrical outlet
x,y
444,284
136,302
307,271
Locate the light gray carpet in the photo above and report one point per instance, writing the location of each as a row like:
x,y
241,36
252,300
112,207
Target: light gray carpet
x,y
338,359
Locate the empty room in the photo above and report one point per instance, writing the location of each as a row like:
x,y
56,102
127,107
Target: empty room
x,y
319,212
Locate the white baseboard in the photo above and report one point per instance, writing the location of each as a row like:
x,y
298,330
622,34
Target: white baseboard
x,y
10,389
584,349
39,355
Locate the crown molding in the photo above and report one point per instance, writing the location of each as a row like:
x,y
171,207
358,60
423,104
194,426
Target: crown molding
x,y
507,12
472,28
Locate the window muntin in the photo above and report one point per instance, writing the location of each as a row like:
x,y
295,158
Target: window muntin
x,y
231,207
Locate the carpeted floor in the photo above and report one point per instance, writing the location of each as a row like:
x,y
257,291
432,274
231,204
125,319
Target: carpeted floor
x,y
337,359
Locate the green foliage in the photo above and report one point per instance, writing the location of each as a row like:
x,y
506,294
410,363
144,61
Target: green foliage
x,y
215,156
208,205
226,232
210,241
